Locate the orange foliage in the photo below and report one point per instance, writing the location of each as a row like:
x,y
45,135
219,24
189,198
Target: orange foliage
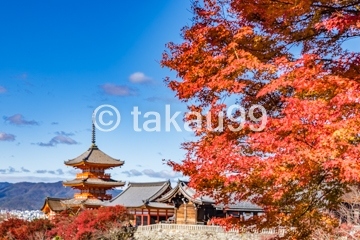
x,y
288,56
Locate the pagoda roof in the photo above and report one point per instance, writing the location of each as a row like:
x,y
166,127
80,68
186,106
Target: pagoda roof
x,y
140,194
93,182
94,156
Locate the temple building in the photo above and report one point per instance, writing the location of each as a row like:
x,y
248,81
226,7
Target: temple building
x,y
149,202
52,206
92,182
140,200
190,208
155,202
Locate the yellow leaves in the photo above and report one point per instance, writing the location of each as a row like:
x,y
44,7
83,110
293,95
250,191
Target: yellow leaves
x,y
341,134
346,136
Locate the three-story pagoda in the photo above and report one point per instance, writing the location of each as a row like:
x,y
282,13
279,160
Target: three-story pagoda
x,y
92,182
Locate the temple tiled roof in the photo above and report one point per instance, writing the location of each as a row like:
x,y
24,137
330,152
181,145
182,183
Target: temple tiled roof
x,y
55,204
94,156
159,205
140,194
93,182
188,192
76,202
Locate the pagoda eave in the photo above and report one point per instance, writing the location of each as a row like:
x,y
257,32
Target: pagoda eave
x,y
102,185
84,163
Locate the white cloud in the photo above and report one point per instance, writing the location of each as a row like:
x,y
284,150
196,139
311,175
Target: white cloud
x,y
161,99
139,77
9,170
161,174
15,179
59,139
19,119
117,90
25,170
7,137
132,173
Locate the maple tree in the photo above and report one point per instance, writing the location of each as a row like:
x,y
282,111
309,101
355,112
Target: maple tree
x,y
293,58
101,223
14,228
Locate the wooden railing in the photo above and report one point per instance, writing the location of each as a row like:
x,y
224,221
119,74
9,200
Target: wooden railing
x,y
205,228
93,175
91,195
82,195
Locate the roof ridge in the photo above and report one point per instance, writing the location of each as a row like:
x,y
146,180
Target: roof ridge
x,y
162,189
94,155
117,196
136,184
169,194
56,198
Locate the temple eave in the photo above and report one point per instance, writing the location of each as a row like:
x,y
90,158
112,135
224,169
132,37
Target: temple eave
x,y
84,163
109,186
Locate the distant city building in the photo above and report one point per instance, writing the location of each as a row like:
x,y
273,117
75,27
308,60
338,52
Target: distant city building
x,y
25,215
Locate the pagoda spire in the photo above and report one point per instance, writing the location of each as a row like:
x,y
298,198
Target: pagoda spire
x,y
93,139
93,133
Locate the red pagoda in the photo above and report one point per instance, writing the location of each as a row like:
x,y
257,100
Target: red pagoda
x,y
92,182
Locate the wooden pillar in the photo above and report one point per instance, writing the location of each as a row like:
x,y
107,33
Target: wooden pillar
x,y
185,212
157,217
196,213
175,215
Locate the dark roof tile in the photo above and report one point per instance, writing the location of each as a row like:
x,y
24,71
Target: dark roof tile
x,y
138,194
94,181
95,156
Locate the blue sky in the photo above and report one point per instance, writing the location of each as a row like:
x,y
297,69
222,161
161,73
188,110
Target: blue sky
x,y
60,60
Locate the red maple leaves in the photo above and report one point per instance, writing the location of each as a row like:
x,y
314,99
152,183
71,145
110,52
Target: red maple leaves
x,y
289,57
104,223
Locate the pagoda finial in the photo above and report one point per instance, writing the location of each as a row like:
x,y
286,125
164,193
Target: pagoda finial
x,y
93,132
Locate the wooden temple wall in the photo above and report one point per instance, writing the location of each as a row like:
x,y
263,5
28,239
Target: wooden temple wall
x,y
147,216
186,214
